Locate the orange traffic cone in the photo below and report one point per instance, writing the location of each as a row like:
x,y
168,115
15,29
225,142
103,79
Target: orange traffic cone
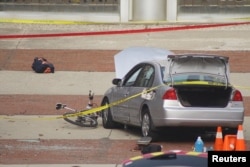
x,y
229,143
240,143
218,144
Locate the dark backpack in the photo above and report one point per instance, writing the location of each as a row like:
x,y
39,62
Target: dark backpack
x,y
41,65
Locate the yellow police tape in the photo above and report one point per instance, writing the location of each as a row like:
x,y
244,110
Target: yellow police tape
x,y
99,109
243,87
93,110
26,21
70,22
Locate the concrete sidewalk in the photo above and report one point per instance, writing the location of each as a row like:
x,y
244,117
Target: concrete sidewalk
x,y
76,83
62,82
235,37
48,127
58,83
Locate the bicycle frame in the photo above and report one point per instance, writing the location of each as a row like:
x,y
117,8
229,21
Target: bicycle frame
x,y
89,120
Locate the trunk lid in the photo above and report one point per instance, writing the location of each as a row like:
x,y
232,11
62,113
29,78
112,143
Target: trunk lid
x,y
199,80
197,69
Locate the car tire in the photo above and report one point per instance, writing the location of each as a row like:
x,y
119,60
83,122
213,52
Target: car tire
x,y
228,131
146,124
107,120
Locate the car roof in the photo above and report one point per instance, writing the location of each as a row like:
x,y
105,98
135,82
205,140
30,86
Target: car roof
x,y
172,157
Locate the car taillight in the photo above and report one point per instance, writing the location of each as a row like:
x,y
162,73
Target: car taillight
x,y
237,96
170,95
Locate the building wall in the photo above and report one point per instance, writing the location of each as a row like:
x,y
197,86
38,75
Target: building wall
x,y
212,10
134,10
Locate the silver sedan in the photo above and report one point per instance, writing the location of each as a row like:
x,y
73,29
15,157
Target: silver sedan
x,y
189,90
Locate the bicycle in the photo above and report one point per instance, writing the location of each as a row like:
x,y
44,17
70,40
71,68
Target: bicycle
x,y
89,120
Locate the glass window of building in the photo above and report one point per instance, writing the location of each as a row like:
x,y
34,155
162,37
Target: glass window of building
x,y
108,6
233,8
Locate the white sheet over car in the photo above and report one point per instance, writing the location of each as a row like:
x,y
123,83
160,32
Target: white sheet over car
x,y
129,57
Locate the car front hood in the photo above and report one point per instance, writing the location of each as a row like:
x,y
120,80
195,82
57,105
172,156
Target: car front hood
x,y
129,57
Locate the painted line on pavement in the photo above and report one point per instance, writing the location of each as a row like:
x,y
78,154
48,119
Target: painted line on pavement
x,y
115,32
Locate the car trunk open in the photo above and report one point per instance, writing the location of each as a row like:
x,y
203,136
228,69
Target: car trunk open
x,y
203,95
200,80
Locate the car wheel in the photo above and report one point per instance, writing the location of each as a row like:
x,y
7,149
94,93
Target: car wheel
x,y
107,120
146,124
228,131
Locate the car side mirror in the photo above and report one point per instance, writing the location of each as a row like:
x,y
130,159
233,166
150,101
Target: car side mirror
x,y
60,106
117,81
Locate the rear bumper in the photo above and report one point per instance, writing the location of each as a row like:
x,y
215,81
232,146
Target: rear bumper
x,y
197,117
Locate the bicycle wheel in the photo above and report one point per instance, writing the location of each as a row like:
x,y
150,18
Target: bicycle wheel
x,y
83,121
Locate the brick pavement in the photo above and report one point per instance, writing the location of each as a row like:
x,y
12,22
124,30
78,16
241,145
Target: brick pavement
x,y
101,151
96,60
34,104
81,60
90,151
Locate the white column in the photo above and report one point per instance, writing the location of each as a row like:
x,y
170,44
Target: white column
x,y
149,10
124,11
172,10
